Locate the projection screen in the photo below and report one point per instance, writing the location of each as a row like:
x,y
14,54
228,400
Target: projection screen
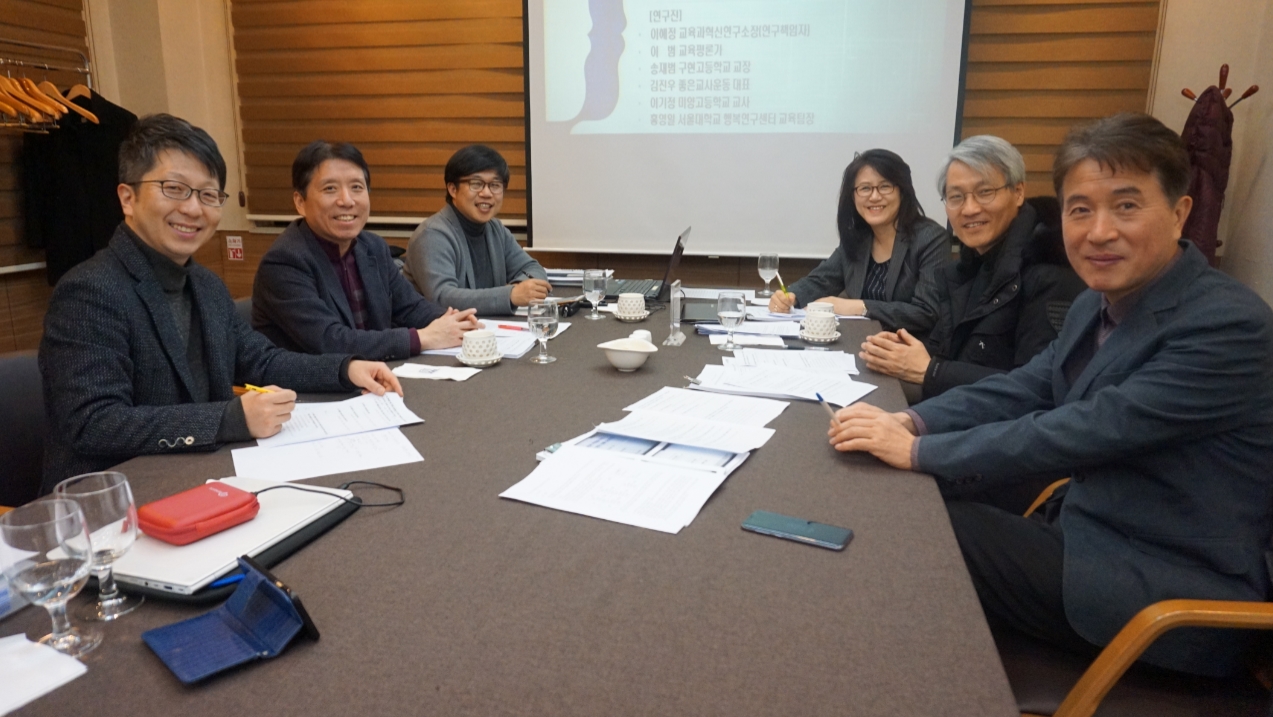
x,y
735,116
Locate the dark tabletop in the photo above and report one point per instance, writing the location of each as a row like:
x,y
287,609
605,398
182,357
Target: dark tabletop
x,y
463,603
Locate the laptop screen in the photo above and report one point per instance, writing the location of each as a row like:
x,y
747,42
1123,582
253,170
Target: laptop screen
x,y
665,289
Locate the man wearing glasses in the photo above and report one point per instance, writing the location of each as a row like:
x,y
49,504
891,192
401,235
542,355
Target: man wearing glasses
x,y
463,256
142,346
329,286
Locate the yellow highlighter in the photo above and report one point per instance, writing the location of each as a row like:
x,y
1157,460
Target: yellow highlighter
x,y
256,389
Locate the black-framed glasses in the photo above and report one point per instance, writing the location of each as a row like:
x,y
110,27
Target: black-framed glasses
x,y
477,185
984,196
884,188
181,191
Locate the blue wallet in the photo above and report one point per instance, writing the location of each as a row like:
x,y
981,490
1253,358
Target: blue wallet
x,y
258,621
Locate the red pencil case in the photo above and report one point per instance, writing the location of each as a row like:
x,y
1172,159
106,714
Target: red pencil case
x,y
197,513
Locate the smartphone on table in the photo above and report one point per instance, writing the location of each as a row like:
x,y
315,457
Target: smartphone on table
x,y
798,529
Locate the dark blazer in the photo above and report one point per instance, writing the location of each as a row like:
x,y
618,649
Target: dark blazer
x,y
1019,312
298,303
116,380
916,255
1168,434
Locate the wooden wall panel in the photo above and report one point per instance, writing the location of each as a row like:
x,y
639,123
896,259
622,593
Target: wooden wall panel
x,y
408,81
24,297
1037,67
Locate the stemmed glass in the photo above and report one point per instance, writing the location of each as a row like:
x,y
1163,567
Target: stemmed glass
x,y
594,288
46,548
767,265
111,518
542,317
731,309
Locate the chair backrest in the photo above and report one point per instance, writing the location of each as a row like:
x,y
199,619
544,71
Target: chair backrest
x,y
25,428
244,308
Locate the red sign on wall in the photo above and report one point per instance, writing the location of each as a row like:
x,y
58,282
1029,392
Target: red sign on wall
x,y
234,248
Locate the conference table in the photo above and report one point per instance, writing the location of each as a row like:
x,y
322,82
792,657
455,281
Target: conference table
x,y
463,603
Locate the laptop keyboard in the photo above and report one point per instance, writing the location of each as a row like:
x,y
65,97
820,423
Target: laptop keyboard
x,y
648,287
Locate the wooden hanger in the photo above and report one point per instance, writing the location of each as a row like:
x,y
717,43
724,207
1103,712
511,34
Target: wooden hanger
x,y
34,93
18,104
14,91
51,91
8,109
78,91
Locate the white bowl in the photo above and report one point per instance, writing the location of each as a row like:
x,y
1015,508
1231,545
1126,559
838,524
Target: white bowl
x,y
627,354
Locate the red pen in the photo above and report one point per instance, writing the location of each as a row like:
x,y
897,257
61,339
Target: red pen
x,y
510,327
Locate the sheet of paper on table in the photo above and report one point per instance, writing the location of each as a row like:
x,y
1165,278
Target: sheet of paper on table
x,y
315,421
437,373
746,340
833,361
656,451
190,567
764,314
778,382
689,431
29,670
328,456
714,294
743,410
618,487
513,342
790,329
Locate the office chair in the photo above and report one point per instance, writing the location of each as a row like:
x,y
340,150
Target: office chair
x,y
244,309
1049,681
25,428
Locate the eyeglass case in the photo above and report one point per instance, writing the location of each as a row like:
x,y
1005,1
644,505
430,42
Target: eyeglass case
x,y
195,514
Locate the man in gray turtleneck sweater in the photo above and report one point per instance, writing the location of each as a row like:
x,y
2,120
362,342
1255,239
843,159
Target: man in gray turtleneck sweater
x,y
463,256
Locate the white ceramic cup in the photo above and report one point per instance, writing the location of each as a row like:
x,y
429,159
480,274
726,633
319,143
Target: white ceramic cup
x,y
819,307
479,345
819,324
643,335
631,304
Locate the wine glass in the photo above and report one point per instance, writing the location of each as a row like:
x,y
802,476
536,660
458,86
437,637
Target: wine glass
x,y
731,309
594,289
767,265
46,548
111,518
542,317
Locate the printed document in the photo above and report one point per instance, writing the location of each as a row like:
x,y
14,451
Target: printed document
x,y
790,329
368,412
742,410
654,451
833,361
747,340
328,456
777,382
618,487
437,373
688,431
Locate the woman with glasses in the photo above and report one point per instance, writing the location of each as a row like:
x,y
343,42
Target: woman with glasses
x,y
887,248
1006,297
465,258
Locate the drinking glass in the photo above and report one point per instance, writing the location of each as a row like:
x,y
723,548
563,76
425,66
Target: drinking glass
x,y
731,309
767,265
594,289
46,546
542,317
111,518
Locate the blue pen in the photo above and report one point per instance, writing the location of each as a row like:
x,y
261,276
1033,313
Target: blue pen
x,y
827,406
227,580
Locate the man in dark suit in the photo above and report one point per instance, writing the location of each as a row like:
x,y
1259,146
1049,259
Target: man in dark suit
x,y
327,285
142,345
1157,398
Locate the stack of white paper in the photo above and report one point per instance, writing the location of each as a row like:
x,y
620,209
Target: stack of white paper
x,y
437,373
29,670
329,456
741,410
689,431
619,487
315,421
747,340
790,329
570,277
832,361
513,337
779,382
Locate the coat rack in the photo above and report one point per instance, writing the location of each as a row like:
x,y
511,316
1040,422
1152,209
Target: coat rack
x,y
30,107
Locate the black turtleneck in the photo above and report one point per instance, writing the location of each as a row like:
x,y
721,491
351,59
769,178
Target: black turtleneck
x,y
479,252
174,279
